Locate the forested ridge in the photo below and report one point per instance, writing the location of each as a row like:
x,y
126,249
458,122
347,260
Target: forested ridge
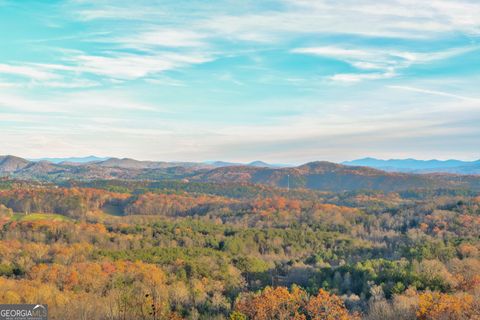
x,y
116,249
317,175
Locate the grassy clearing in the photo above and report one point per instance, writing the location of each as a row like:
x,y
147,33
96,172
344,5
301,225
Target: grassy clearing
x,y
40,216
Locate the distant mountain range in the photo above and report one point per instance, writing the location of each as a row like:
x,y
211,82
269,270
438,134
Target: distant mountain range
x,y
135,163
318,175
219,164
391,165
72,160
419,166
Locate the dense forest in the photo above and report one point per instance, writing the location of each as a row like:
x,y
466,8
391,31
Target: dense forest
x,y
113,249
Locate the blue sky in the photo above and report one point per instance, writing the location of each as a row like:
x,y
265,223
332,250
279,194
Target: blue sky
x,y
286,81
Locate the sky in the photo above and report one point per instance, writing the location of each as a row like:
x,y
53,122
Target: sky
x,y
284,81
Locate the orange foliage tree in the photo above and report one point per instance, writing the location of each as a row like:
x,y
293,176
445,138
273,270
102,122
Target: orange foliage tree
x,y
435,306
325,306
281,303
273,303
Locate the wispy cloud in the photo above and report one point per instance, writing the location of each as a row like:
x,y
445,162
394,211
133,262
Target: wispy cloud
x,y
75,102
158,38
437,93
121,66
397,19
335,130
130,66
28,75
400,18
193,80
159,29
125,10
357,77
389,61
27,72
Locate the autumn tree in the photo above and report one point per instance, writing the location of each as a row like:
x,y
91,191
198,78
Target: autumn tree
x,y
441,306
325,306
281,303
273,303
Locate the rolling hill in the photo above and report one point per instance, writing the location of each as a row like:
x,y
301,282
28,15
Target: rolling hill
x,y
11,164
330,176
320,175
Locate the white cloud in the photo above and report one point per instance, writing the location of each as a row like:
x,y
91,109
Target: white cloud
x,y
194,35
336,52
8,85
94,10
42,75
129,66
67,84
382,56
437,93
336,130
356,77
402,18
158,37
21,103
387,60
113,122
75,102
115,66
392,18
27,72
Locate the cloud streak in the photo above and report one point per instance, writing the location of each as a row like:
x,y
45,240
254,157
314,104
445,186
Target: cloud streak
x,y
281,80
129,66
27,72
437,93
389,61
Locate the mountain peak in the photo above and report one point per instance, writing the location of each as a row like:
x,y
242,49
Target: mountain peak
x,y
11,163
259,163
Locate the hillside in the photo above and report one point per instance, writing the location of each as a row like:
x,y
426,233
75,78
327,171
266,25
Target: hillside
x,y
11,164
318,175
326,176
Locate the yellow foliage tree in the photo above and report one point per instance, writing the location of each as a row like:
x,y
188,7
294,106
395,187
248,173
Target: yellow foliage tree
x,y
437,306
325,306
280,303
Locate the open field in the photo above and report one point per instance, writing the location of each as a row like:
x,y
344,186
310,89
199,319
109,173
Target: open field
x,y
39,216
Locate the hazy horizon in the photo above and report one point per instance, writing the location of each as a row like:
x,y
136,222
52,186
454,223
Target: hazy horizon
x,y
238,161
282,81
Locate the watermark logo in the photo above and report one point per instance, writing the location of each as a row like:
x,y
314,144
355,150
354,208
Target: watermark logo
x,y
23,312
